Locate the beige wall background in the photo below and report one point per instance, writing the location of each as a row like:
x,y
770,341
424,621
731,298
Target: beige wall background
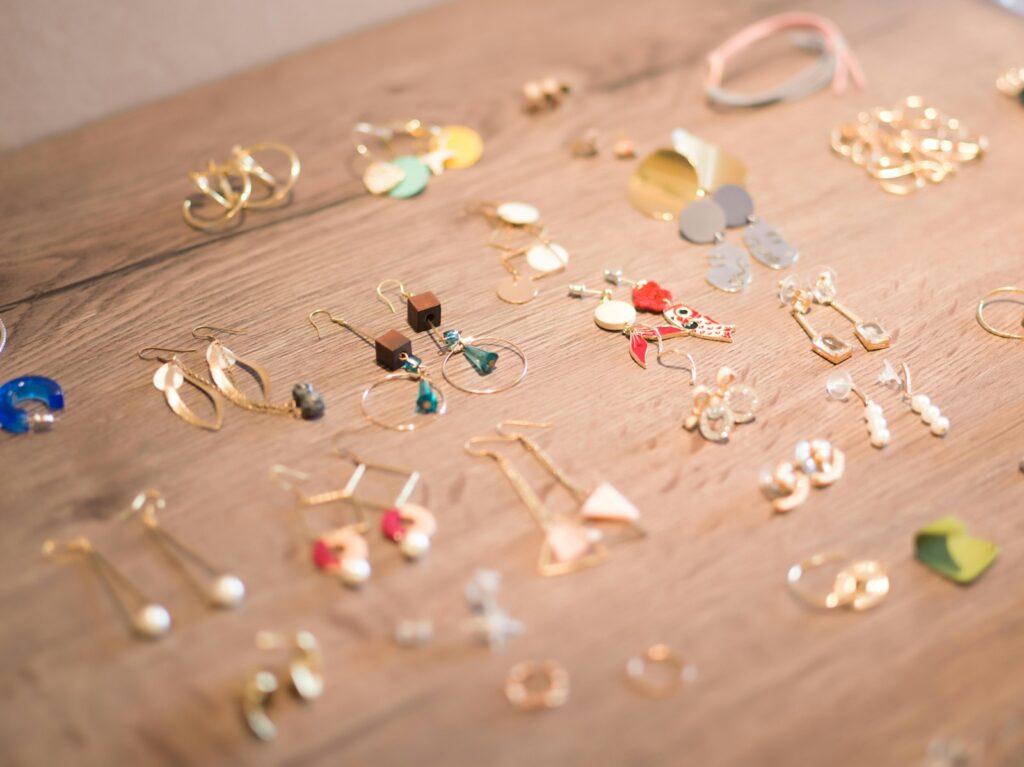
x,y
67,62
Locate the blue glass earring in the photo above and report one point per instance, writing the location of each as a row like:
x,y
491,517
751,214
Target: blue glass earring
x,y
29,389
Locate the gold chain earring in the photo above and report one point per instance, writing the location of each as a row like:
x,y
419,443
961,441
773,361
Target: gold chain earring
x,y
172,375
221,589
306,403
148,619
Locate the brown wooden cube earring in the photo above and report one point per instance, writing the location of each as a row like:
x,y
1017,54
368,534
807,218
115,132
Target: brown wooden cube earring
x,y
424,309
393,348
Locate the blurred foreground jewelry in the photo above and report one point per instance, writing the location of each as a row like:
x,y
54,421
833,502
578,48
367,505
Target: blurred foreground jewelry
x,y
146,618
673,671
3,336
544,94
588,144
516,232
716,411
414,632
835,64
439,148
990,298
306,403
219,589
230,187
930,413
619,316
816,463
858,584
946,547
39,389
667,179
532,686
839,386
909,146
305,672
572,541
1011,83
489,624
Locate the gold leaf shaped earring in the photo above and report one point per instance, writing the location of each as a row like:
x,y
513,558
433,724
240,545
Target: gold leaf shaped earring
x,y
306,403
219,589
921,404
172,375
148,619
339,551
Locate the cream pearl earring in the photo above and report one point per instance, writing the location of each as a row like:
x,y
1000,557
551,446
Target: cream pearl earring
x,y
839,386
921,404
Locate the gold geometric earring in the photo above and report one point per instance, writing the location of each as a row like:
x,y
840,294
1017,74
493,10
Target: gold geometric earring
x,y
305,404
799,301
871,335
169,379
149,620
222,589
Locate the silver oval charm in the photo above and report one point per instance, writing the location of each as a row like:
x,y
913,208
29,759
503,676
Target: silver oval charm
x,y
728,268
768,246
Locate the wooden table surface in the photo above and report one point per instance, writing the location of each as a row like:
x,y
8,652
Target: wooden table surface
x,y
97,263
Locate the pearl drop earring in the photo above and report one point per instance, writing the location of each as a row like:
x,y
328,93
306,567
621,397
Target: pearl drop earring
x,y
921,404
839,386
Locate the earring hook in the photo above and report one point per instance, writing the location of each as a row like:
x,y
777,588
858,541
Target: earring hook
x,y
142,353
693,362
391,282
330,317
470,446
215,329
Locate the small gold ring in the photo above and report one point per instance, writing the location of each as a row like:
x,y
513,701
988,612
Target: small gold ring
x,y
834,598
981,313
442,405
494,389
521,685
675,671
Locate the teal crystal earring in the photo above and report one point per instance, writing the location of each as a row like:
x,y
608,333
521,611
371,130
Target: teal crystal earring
x,y
430,399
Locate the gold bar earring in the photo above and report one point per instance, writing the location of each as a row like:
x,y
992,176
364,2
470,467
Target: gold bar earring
x,y
871,335
221,589
149,620
799,301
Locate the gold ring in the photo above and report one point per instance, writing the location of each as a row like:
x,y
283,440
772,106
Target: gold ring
x,y
675,668
981,313
531,686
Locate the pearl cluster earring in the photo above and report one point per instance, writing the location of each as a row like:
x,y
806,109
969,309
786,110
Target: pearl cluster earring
x,y
921,404
839,386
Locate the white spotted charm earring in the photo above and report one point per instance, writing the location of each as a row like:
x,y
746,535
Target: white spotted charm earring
x,y
839,386
919,403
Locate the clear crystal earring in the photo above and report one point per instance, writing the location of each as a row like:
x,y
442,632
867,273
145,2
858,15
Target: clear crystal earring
x,y
919,403
839,386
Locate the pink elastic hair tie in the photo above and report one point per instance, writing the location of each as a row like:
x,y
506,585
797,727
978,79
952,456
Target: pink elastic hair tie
x,y
836,64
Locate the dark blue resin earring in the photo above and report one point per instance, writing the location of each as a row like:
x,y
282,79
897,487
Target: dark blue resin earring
x,y
24,389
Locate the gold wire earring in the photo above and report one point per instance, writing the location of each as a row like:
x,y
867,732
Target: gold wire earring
x,y
306,403
571,541
148,619
989,298
220,589
394,352
172,375
815,463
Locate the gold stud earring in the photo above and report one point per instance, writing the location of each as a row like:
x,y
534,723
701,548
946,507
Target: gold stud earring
x,y
148,619
306,403
220,589
172,375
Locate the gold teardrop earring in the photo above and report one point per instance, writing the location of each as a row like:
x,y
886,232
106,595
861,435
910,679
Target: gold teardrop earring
x,y
306,403
172,375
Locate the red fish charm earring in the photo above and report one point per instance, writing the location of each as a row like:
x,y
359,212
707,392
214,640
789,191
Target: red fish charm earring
x,y
648,295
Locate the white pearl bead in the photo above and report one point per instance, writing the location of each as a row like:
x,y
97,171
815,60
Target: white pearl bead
x,y
876,422
415,544
152,621
930,413
227,591
919,402
880,438
355,571
872,408
940,426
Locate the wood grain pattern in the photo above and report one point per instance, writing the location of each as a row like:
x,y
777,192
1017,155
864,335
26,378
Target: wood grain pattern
x,y
97,263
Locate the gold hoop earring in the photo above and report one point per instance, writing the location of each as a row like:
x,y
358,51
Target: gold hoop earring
x,y
279,192
985,301
169,379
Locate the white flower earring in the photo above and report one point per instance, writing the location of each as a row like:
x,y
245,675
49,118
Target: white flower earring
x,y
839,386
919,403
